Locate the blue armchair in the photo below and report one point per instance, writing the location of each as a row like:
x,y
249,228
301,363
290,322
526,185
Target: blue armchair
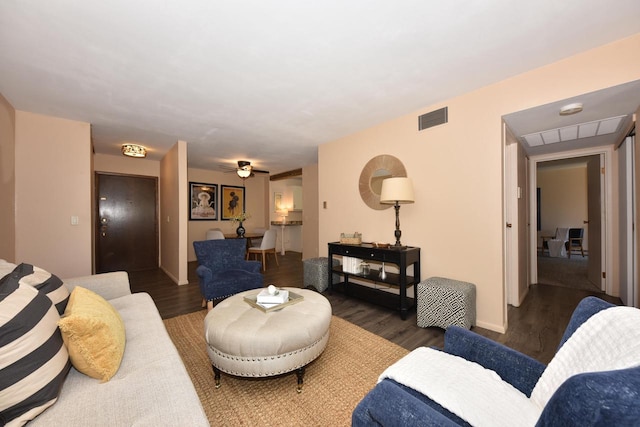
x,y
587,399
222,269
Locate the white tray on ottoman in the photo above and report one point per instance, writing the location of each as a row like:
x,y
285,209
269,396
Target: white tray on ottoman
x,y
247,342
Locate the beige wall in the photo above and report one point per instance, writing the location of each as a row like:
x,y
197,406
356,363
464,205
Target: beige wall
x,y
457,169
173,213
53,183
7,181
256,199
563,199
310,212
126,165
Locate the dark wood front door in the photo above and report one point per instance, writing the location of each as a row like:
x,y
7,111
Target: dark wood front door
x,y
127,223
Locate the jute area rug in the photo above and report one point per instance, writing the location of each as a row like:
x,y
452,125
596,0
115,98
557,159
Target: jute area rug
x,y
333,384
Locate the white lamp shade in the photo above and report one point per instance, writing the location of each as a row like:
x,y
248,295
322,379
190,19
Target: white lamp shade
x,y
398,189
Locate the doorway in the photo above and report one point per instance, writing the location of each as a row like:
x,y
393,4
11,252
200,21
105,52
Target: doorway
x,y
569,206
599,231
126,229
547,132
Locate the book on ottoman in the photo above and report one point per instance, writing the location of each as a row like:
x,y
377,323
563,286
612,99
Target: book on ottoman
x,y
274,297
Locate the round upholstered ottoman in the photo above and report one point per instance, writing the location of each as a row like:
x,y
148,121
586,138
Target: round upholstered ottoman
x,y
243,340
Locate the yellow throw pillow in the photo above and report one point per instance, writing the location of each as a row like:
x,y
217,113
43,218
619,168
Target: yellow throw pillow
x,y
93,332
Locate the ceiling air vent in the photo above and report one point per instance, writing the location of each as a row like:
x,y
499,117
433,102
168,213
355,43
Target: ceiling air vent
x,y
433,118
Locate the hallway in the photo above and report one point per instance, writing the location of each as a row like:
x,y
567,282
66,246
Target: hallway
x,y
565,272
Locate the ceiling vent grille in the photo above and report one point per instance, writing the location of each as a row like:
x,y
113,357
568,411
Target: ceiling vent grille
x,y
434,118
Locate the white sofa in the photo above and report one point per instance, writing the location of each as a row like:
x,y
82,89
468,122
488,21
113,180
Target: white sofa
x,y
151,387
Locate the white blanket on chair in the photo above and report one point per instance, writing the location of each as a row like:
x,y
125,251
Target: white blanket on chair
x,y
475,394
608,340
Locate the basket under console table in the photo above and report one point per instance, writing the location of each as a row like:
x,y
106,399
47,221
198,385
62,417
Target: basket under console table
x,y
402,257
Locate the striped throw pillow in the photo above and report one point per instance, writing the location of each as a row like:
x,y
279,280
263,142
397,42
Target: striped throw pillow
x,y
33,359
45,282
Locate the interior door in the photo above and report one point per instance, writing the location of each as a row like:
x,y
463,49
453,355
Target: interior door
x,y
511,217
594,226
636,232
127,223
625,221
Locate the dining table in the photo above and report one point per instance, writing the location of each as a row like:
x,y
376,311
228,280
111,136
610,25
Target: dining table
x,y
247,236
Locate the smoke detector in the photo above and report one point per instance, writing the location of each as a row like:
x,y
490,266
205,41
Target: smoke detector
x,y
570,109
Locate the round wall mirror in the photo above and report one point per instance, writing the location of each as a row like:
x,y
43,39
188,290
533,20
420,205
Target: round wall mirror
x,y
374,172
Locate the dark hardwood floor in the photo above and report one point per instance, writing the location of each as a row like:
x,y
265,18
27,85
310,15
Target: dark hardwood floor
x,y
535,328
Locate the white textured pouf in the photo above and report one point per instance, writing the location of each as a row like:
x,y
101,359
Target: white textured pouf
x,y
444,302
244,341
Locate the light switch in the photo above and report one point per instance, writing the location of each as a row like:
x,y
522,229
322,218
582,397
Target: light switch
x,y
74,220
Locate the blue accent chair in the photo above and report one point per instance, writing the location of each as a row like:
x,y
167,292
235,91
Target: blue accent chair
x,y
223,271
609,398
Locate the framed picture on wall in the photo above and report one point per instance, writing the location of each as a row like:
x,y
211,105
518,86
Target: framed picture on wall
x,y
232,203
277,201
203,200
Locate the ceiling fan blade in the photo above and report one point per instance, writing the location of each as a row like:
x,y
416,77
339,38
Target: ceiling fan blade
x,y
242,165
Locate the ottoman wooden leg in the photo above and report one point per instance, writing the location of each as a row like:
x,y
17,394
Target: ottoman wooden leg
x,y
216,376
300,375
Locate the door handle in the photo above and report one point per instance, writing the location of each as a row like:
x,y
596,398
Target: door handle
x,y
509,225
586,221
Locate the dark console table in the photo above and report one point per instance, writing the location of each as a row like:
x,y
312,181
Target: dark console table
x,y
402,257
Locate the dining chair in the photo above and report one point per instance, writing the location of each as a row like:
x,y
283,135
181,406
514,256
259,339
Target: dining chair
x,y
256,241
576,235
556,245
268,245
214,234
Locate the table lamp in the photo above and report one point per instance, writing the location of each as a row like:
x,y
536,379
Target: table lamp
x,y
396,191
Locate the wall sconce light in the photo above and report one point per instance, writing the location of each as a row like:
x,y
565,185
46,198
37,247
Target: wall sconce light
x,y
134,150
396,191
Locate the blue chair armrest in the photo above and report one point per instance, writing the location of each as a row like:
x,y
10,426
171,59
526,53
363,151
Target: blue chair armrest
x,y
203,272
607,398
392,404
205,275
519,370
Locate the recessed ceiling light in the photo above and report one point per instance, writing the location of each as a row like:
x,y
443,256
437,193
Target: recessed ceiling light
x,y
569,109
